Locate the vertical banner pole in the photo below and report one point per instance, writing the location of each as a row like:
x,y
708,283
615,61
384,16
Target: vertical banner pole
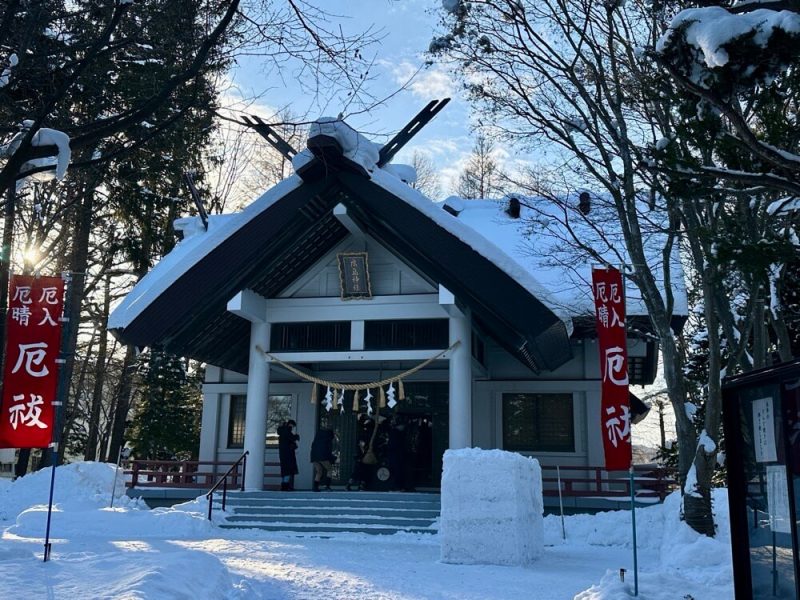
x,y
633,524
61,398
50,504
116,470
608,291
561,504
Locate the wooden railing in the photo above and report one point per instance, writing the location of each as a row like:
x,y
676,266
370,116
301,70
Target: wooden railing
x,y
184,474
649,482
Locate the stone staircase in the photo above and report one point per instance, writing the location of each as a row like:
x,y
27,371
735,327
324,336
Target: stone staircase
x,y
324,513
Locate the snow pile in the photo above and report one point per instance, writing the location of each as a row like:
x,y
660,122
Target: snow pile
x,y
151,555
81,499
491,508
684,559
120,552
354,145
78,485
189,226
405,173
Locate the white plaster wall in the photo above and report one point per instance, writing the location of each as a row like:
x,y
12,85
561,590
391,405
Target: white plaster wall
x,y
214,439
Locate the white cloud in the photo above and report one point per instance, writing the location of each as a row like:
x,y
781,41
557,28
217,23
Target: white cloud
x,y
426,83
445,147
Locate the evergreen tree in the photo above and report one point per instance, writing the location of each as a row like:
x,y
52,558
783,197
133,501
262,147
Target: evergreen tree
x,y
166,422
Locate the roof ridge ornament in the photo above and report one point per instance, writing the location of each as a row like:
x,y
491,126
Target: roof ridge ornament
x,y
273,137
188,177
411,129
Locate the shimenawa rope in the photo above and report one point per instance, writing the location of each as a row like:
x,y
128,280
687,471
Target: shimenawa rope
x,y
355,386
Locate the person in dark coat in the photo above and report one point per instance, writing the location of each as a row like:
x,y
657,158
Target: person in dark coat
x,y
322,458
360,475
287,445
394,459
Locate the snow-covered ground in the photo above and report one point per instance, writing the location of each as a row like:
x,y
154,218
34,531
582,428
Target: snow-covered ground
x,y
130,552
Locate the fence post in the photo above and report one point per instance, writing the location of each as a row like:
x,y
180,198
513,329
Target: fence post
x,y
135,474
244,468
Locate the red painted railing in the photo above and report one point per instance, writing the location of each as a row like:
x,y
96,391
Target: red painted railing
x,y
589,481
649,482
186,473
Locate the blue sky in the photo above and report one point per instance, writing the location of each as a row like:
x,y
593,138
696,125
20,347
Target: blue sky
x,y
406,28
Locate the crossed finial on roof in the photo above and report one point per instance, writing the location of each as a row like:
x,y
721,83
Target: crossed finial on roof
x,y
389,149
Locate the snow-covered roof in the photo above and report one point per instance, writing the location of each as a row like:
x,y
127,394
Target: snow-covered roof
x,y
480,239
393,178
504,268
190,251
538,244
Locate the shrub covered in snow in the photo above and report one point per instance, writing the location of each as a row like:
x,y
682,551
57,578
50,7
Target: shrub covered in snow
x,y
721,50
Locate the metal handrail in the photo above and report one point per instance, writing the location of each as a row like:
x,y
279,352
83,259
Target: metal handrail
x,y
224,483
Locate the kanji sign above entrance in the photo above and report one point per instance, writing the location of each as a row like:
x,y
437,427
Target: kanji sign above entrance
x,y
354,275
30,374
615,417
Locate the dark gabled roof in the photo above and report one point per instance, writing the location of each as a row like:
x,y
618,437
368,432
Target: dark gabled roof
x,y
517,319
273,248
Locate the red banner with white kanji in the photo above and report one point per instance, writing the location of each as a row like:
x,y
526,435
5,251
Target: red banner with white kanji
x,y
30,374
615,417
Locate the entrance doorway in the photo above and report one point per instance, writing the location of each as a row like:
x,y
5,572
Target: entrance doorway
x,y
409,443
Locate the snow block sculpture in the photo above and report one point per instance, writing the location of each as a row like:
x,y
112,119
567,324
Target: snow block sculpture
x,y
492,510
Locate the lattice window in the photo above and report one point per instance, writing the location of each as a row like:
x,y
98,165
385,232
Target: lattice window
x,y
538,423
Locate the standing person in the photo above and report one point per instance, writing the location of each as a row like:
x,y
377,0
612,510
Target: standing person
x,y
287,445
359,476
322,458
395,454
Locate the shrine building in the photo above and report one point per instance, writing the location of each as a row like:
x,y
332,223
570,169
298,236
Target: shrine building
x,y
345,273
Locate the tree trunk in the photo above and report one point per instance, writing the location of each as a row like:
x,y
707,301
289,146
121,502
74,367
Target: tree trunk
x,y
72,416
21,468
78,264
5,269
99,377
697,502
123,405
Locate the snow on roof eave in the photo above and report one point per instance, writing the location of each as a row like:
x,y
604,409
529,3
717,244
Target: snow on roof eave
x,y
190,252
487,219
474,240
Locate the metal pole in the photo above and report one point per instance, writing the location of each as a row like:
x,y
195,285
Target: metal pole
x,y
633,523
116,470
561,504
50,504
61,398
